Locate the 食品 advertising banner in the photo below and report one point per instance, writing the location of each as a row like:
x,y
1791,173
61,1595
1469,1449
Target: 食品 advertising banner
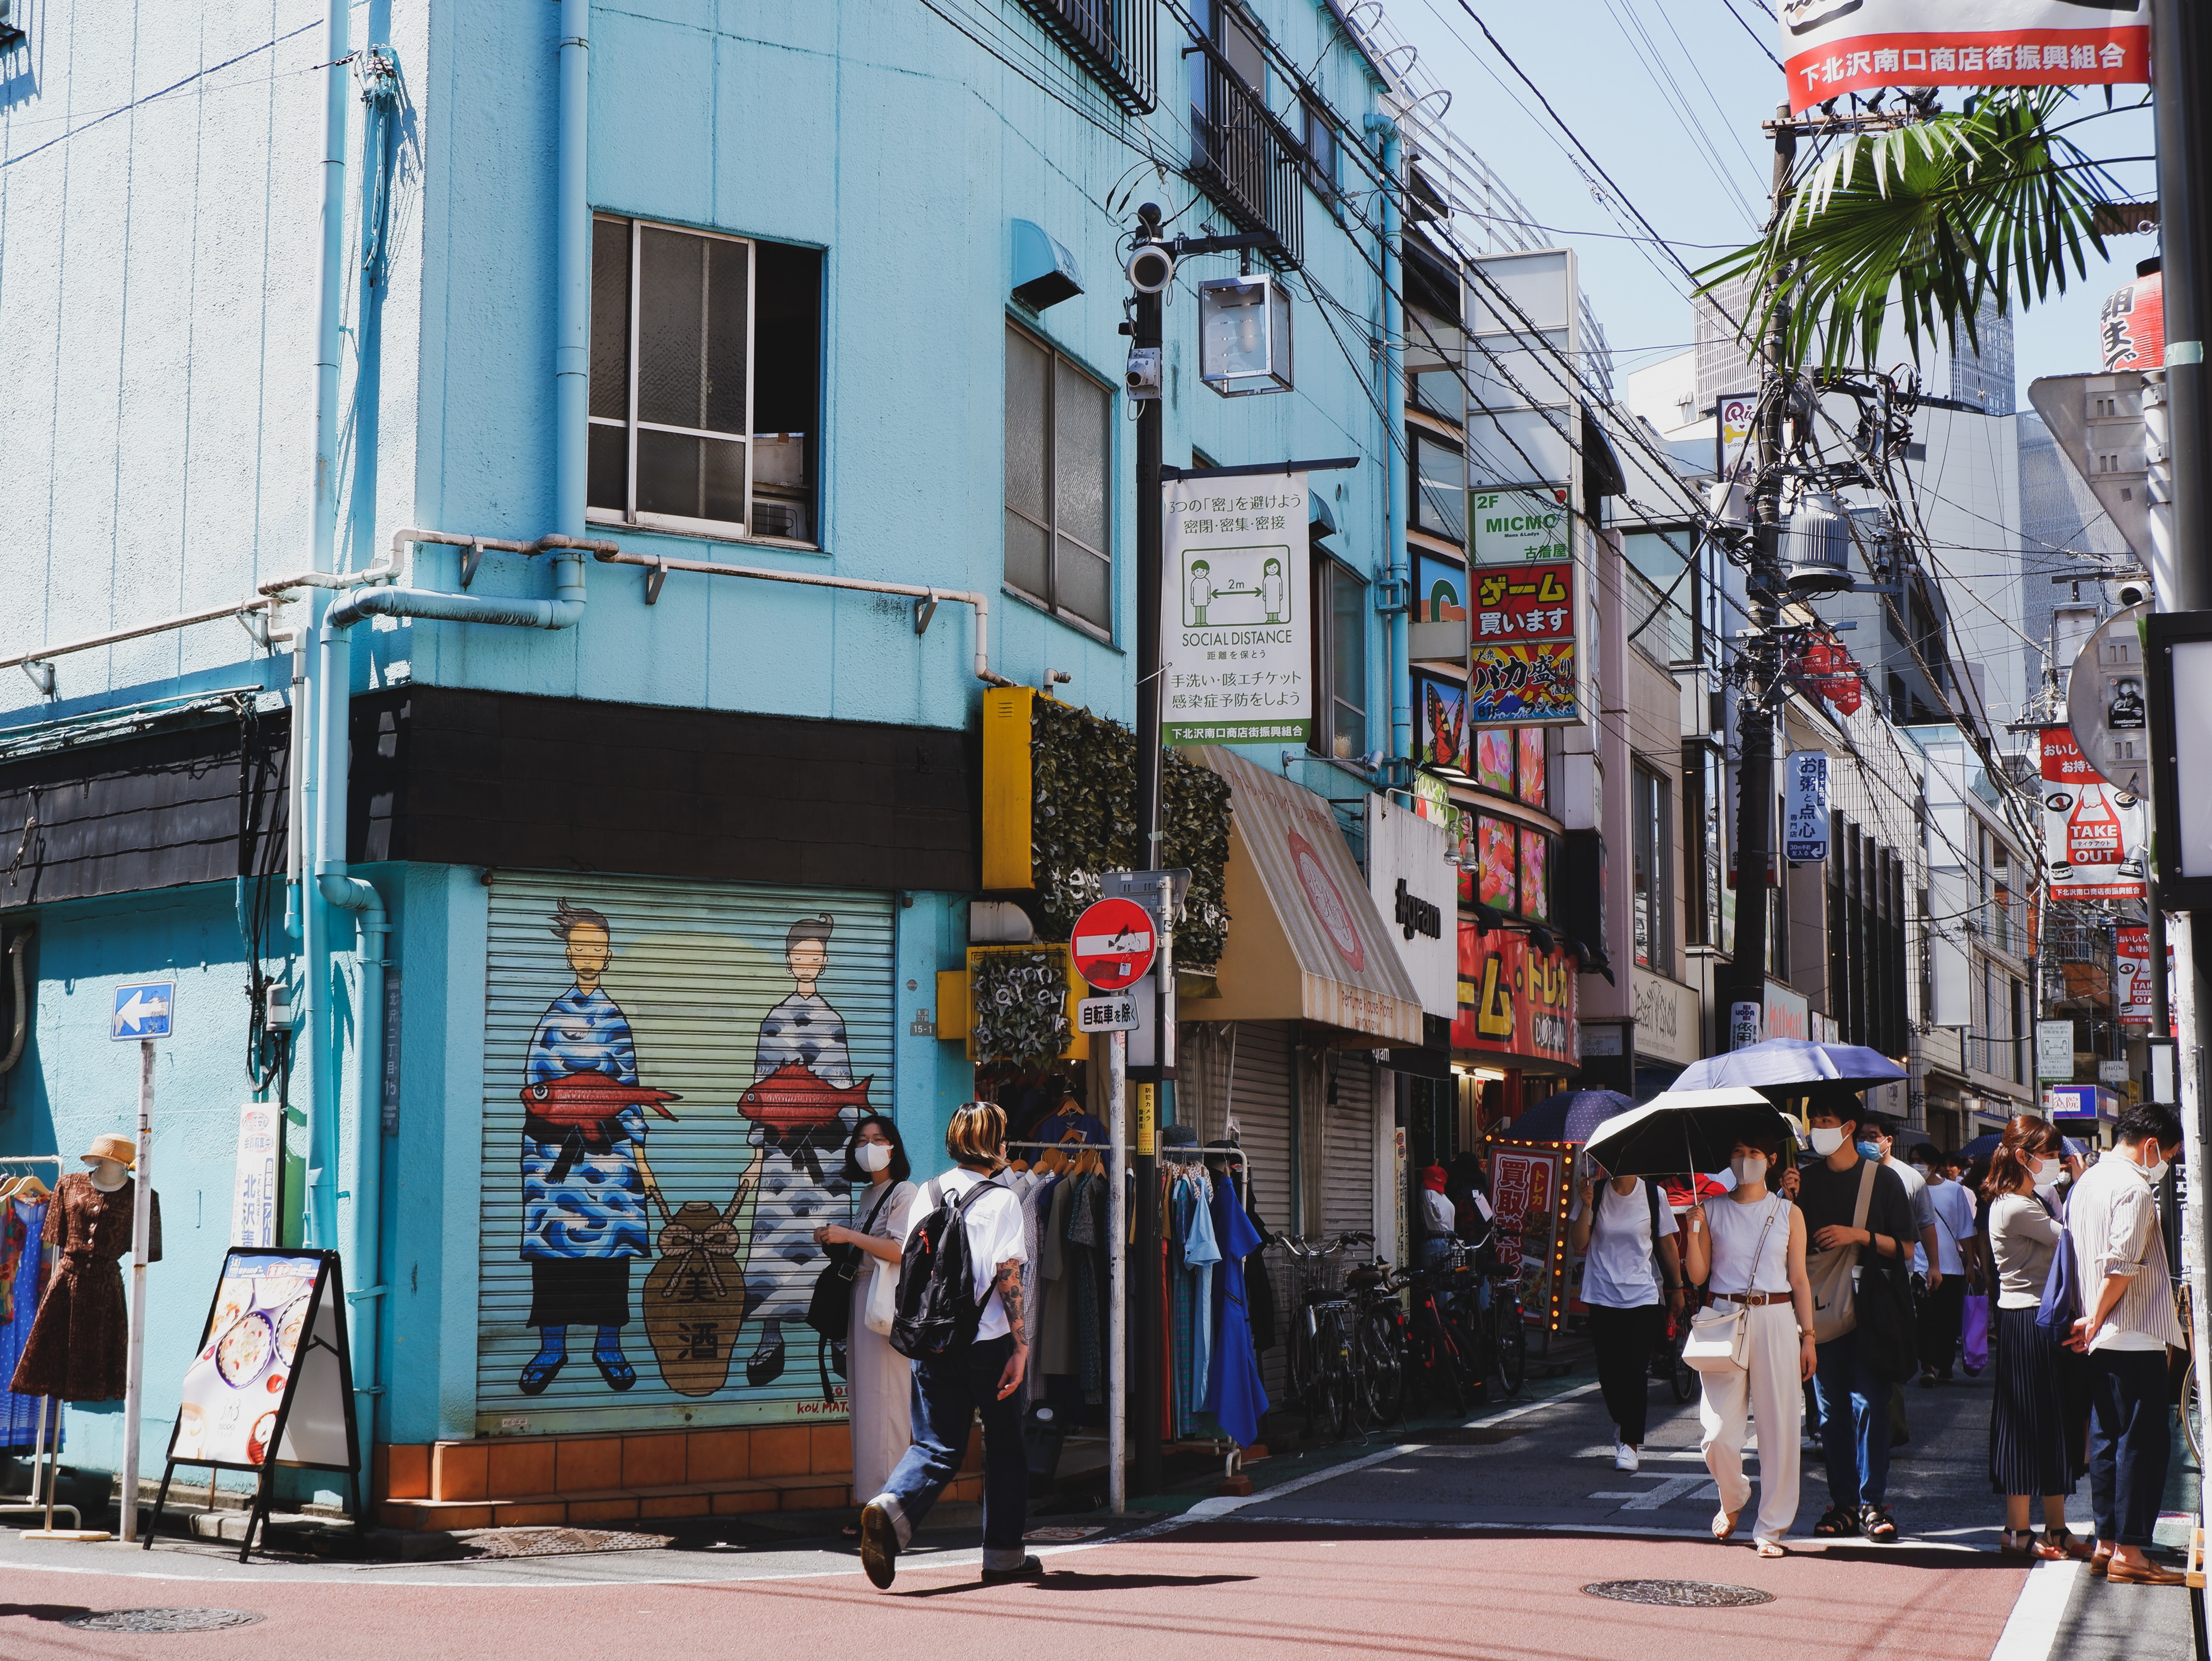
x,y
269,1383
2092,834
1522,666
2131,950
1834,46
1235,641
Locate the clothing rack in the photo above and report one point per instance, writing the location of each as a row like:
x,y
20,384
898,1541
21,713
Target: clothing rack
x,y
34,1504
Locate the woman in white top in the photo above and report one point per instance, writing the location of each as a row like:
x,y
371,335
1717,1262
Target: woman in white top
x,y
2031,1433
1750,1250
1613,1231
878,1380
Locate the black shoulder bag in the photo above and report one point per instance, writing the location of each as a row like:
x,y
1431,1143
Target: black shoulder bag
x,y
829,1311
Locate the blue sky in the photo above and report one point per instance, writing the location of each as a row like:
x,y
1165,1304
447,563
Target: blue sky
x,y
1668,95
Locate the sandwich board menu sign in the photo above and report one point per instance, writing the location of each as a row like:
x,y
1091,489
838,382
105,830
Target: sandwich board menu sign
x,y
271,1383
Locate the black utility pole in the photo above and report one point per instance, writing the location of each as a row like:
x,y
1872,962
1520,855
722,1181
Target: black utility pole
x,y
1144,1257
1755,814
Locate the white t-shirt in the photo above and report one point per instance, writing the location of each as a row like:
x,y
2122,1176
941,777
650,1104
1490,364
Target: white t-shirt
x,y
1443,1216
1955,1222
995,1237
1618,1271
1923,1213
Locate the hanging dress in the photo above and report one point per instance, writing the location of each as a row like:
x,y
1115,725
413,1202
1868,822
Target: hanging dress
x,y
22,1271
79,1343
1234,1395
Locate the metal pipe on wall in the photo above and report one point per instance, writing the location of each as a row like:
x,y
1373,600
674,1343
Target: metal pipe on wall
x,y
1394,395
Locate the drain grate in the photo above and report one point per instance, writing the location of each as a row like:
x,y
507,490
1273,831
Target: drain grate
x,y
161,1619
1679,1594
558,1543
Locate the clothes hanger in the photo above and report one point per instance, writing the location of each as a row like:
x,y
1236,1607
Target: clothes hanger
x,y
9,1187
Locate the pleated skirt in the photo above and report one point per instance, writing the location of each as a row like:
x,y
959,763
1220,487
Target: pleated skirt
x,y
2029,1433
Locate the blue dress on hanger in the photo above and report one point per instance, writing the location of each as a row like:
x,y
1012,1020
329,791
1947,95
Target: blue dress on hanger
x,y
1234,1395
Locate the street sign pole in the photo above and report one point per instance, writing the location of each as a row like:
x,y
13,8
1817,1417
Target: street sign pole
x,y
141,1234
1117,1261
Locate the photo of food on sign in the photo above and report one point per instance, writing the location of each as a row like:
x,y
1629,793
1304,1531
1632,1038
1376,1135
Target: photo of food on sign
x,y
235,1385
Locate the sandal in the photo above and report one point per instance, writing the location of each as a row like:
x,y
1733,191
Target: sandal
x,y
2019,1542
1724,1522
1837,1522
1772,1548
1876,1523
2066,1543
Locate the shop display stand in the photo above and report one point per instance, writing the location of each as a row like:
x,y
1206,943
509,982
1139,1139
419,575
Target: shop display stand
x,y
33,1506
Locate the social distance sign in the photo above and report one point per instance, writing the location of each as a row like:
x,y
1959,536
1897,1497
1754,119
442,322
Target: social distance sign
x,y
1235,639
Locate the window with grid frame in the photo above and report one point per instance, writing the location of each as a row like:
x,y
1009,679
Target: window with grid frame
x,y
1340,660
1059,446
705,370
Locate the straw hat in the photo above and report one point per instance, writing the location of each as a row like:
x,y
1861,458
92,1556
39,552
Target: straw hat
x,y
121,1149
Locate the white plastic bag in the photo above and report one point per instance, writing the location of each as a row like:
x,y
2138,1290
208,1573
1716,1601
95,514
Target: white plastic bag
x,y
882,1297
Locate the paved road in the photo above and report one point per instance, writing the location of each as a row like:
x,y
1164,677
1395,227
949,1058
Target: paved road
x,y
1473,1543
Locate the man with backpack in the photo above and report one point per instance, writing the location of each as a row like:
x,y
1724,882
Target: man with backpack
x,y
959,1321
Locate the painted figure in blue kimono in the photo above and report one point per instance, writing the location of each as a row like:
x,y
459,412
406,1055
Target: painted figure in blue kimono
x,y
803,1102
585,1178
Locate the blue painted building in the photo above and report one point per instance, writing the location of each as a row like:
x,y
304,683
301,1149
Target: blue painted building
x,y
506,539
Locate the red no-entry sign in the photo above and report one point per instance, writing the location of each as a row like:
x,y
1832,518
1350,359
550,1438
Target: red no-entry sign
x,y
1115,942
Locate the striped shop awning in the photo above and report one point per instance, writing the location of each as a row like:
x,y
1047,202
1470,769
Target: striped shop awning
x,y
1305,942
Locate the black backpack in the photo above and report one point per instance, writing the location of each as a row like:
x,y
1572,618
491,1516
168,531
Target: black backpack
x,y
938,1309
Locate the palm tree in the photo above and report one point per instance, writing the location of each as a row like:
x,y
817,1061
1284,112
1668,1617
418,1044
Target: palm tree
x,y
1934,217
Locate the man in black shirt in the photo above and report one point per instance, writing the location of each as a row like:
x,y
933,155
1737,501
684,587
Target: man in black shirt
x,y
1854,1403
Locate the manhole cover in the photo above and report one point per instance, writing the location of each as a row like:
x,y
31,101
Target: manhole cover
x,y
161,1619
1679,1594
556,1542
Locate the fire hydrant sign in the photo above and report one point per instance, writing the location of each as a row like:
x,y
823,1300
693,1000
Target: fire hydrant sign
x,y
1114,944
1235,641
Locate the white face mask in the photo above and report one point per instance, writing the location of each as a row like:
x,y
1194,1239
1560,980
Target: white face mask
x,y
1749,1168
2045,1173
872,1156
1827,1138
2155,1173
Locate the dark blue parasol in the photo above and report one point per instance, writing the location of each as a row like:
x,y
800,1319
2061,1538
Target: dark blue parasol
x,y
1791,1066
1983,1148
1568,1116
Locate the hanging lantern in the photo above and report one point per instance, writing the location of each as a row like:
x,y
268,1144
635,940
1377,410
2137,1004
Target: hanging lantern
x,y
1244,335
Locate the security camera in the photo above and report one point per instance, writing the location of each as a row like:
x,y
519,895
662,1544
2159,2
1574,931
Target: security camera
x,y
1151,268
2131,591
1144,372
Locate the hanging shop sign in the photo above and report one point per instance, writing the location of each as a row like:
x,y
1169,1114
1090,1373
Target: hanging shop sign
x,y
1414,887
1235,641
1830,47
1522,666
253,1202
1805,805
2080,1103
1668,1019
2131,328
2092,834
2054,1050
1515,1001
2179,651
1518,526
2106,712
2131,947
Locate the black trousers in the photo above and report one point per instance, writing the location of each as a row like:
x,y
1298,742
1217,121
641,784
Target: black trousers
x,y
1623,1339
2130,1442
1942,1311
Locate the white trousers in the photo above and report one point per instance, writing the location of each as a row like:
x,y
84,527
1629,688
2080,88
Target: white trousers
x,y
1770,1392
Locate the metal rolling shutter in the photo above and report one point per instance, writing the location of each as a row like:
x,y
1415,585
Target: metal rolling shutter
x,y
695,966
1261,1098
1348,1171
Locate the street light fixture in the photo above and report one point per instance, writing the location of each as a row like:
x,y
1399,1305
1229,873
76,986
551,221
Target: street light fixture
x,y
1244,335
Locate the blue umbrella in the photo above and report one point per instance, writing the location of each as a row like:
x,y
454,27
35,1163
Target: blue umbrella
x,y
1568,1116
1983,1148
1791,1066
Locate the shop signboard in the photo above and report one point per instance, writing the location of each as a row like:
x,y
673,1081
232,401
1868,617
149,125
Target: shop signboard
x,y
2092,834
2054,1050
1830,47
1522,666
1786,1015
1527,1188
2131,945
1514,1001
1415,889
2106,710
1667,1020
1805,805
1236,642
253,1192
2080,1103
1517,525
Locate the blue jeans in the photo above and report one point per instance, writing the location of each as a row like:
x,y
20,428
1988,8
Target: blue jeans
x,y
947,1397
1854,1423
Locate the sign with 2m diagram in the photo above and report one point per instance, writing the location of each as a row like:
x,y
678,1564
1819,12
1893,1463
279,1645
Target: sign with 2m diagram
x,y
1236,640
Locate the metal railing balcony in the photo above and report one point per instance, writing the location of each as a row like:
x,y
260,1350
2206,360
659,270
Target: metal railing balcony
x,y
1248,163
1117,40
1999,1057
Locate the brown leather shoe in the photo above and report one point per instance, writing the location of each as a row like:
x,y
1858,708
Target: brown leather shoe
x,y
2150,1574
2100,1561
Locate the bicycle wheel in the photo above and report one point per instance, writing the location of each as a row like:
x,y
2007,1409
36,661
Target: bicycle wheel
x,y
1383,1365
2188,1428
1681,1377
1340,1384
1512,1355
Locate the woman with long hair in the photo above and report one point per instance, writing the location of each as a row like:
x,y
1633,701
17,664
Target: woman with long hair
x,y
1750,1248
2030,1440
878,1381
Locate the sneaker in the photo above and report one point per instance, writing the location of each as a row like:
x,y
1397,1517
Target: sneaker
x,y
1030,1568
879,1545
1625,1457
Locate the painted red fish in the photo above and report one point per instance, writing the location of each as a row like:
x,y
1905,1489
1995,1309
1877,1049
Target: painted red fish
x,y
588,1100
794,1098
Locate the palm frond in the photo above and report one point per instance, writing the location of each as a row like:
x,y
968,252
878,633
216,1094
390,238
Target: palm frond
x,y
1989,203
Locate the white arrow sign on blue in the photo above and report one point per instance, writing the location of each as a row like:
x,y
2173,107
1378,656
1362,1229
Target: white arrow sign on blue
x,y
142,1011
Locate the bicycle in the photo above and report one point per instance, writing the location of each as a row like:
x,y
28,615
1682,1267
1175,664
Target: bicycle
x,y
1378,1330
1504,1331
1321,1372
1440,1362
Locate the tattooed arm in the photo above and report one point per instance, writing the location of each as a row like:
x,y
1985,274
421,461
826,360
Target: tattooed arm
x,y
1008,1288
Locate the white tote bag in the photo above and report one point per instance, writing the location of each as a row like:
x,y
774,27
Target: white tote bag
x,y
882,1297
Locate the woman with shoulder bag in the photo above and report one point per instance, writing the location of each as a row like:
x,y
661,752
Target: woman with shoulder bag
x,y
879,1382
2029,1442
1753,1348
1624,1232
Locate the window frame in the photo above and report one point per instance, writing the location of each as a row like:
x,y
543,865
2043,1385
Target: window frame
x,y
723,529
1049,604
1650,840
1328,571
1421,438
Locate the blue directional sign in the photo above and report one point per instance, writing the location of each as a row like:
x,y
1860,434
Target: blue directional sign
x,y
142,1011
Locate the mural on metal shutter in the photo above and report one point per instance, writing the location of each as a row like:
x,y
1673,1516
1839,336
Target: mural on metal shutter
x,y
672,1071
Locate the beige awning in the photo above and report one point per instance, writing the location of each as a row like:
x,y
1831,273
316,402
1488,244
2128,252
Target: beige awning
x,y
1305,942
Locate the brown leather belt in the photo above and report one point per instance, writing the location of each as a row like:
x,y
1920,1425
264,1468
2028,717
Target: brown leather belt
x,y
1752,1300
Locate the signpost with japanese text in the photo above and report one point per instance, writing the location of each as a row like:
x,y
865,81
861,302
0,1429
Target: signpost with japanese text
x,y
1236,642
1805,813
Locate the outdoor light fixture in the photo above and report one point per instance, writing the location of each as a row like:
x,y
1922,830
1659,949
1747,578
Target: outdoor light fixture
x,y
1244,335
